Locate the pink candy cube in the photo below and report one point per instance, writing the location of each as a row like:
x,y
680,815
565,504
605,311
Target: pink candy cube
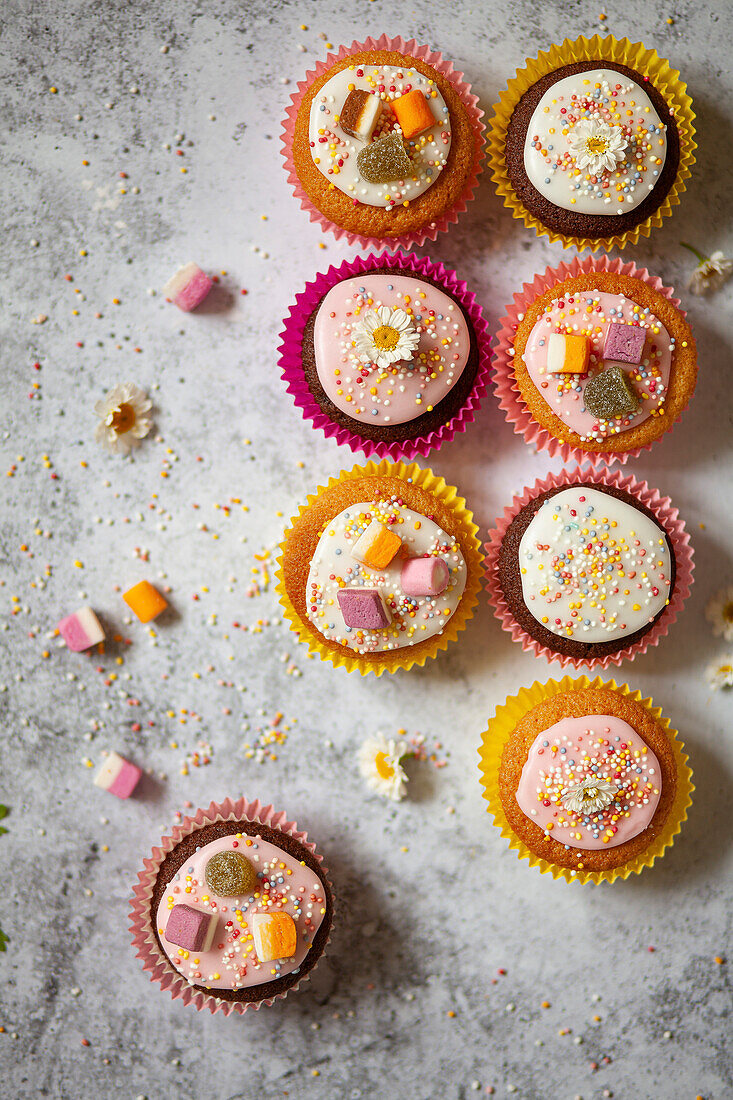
x,y
624,343
424,576
118,776
81,630
188,287
363,608
190,928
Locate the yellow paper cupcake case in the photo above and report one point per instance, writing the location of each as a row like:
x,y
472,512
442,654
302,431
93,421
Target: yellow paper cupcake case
x,y
471,548
599,48
500,730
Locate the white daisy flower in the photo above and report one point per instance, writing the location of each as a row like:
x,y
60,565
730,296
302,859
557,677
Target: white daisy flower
x,y
719,612
711,271
379,763
597,146
122,419
383,336
719,674
589,797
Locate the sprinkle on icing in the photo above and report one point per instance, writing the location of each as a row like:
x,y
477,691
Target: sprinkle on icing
x,y
413,618
593,568
601,752
595,144
404,390
335,151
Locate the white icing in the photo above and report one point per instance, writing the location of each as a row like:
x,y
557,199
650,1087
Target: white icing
x,y
414,618
628,113
335,157
593,568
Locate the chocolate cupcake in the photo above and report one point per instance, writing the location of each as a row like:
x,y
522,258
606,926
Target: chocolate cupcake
x,y
234,909
389,354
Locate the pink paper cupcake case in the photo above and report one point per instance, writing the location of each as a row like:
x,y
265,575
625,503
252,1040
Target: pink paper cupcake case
x,y
510,399
475,115
661,507
143,939
291,354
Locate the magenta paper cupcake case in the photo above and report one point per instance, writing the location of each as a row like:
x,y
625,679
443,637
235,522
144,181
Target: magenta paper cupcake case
x,y
665,514
291,357
143,939
511,401
475,115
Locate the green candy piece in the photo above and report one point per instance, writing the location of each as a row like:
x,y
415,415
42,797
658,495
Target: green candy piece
x,y
385,160
610,394
230,874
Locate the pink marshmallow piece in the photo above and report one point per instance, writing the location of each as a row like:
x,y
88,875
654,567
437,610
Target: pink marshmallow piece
x,y
188,287
81,630
424,576
118,776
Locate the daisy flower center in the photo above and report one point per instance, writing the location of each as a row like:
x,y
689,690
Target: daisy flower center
x,y
122,419
384,768
385,338
596,146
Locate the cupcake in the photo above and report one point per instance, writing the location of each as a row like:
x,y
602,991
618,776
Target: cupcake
x,y
381,568
585,779
383,142
233,909
595,359
592,142
588,568
389,354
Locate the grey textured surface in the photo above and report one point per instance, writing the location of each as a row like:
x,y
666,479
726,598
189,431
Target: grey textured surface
x,y
431,902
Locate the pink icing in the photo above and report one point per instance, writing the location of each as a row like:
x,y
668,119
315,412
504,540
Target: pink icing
x,y
403,391
576,749
590,312
232,956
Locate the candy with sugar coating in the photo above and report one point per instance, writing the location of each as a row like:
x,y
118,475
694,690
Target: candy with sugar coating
x,y
188,287
363,608
81,630
413,113
567,354
624,343
118,776
385,160
275,936
190,929
145,601
424,576
359,114
610,394
230,874
376,546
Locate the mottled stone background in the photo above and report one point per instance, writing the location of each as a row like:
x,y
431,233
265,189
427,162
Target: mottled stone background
x,y
446,945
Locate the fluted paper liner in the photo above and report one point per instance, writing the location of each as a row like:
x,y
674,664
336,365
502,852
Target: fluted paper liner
x,y
291,354
405,658
436,60
500,730
505,382
665,514
155,962
634,55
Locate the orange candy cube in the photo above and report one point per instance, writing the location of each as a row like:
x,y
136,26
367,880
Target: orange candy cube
x,y
413,113
275,936
376,546
567,354
145,601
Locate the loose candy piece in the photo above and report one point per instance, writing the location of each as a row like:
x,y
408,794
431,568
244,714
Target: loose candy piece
x,y
413,113
424,576
385,160
364,608
275,936
624,343
145,601
230,874
376,546
81,630
190,929
359,114
118,776
610,394
567,354
188,287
